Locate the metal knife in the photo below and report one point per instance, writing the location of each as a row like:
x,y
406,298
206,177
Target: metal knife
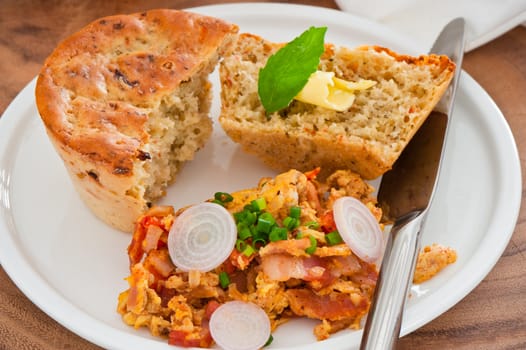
x,y
405,194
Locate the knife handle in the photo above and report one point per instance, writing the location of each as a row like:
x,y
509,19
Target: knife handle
x,y
384,320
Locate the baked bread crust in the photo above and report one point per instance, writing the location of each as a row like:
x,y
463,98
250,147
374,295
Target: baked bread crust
x,y
100,89
367,138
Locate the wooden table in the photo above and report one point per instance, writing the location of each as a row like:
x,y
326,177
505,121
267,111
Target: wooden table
x,y
493,316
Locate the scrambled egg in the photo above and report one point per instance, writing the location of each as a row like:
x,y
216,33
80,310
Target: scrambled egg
x,y
330,284
431,260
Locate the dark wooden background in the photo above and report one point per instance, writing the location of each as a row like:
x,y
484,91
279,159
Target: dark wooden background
x,y
493,316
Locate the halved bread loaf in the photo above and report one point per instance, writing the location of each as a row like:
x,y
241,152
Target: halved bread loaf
x,y
367,138
125,102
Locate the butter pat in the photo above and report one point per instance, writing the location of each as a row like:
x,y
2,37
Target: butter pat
x,y
324,90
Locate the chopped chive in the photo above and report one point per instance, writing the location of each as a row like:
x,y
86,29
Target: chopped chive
x,y
258,204
256,233
241,215
287,221
218,202
249,250
312,224
313,244
240,245
277,234
291,223
259,236
259,242
223,197
295,212
265,222
299,235
224,280
269,341
333,238
250,218
243,231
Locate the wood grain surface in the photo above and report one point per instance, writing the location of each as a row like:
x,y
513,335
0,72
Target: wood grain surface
x,y
493,316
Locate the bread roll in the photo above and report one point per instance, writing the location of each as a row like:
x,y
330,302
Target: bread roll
x,y
125,102
367,138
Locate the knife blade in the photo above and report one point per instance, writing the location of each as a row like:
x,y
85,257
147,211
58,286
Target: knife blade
x,y
405,194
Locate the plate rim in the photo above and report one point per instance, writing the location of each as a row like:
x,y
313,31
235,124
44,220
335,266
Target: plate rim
x,y
123,338
474,42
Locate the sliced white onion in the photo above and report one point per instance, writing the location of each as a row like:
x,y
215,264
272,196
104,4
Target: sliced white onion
x,y
239,325
358,228
202,237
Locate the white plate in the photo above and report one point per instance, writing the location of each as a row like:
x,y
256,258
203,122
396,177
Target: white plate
x,y
422,20
72,266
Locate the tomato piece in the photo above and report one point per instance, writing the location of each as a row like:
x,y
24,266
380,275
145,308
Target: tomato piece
x,y
327,222
312,174
210,308
239,260
182,338
135,249
228,265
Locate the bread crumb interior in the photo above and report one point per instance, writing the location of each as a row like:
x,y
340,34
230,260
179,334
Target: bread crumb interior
x,y
178,127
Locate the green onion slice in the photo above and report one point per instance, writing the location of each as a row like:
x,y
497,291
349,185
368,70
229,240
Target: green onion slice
x,y
295,212
224,280
215,201
202,237
269,341
240,245
243,231
223,197
333,238
277,234
250,218
239,325
265,222
258,204
313,244
312,224
248,251
259,242
291,223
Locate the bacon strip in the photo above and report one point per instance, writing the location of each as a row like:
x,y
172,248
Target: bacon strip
x,y
334,306
281,267
151,239
146,234
158,262
293,247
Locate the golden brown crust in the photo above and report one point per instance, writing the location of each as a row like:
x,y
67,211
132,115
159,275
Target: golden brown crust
x,y
96,91
275,147
113,66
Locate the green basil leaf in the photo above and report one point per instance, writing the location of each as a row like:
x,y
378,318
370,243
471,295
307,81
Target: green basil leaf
x,y
288,70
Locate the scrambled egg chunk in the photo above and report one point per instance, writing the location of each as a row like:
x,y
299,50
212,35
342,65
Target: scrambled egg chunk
x,y
283,277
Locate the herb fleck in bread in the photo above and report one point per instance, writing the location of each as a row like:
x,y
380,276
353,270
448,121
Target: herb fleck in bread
x,y
367,138
125,102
